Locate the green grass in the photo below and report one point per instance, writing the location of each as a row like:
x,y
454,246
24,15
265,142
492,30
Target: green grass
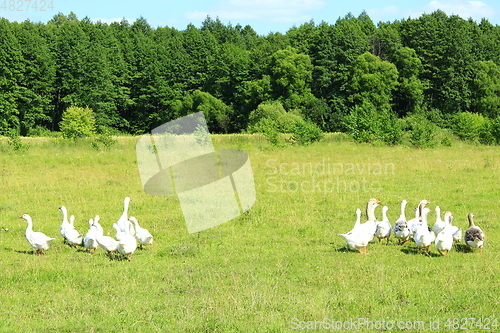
x,y
281,260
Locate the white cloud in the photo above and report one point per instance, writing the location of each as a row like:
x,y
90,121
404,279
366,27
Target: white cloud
x,y
384,14
289,11
475,9
463,8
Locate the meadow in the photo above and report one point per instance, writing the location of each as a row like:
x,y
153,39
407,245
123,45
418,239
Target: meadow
x,y
280,267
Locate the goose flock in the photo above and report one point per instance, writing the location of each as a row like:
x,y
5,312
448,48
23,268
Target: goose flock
x,y
443,234
129,234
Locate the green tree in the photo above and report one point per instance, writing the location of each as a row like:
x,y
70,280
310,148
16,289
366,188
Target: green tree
x,y
486,87
373,81
36,82
217,113
409,94
11,65
231,70
77,122
291,74
333,52
467,126
371,117
386,41
445,44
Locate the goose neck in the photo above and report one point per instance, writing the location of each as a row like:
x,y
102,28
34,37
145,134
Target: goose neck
x,y
29,227
471,220
402,216
370,212
65,214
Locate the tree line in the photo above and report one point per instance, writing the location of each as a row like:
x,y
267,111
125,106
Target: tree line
x,y
352,76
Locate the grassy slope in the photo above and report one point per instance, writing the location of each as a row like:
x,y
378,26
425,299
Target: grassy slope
x,y
282,260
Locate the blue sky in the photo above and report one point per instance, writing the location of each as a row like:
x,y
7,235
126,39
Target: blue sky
x,y
263,15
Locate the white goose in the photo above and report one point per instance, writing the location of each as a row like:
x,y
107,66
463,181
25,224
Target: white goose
x,y
401,230
355,241
142,235
38,240
72,235
127,244
455,231
65,223
90,239
383,228
121,232
371,224
474,236
123,222
358,219
416,222
358,238
440,224
444,240
107,243
423,236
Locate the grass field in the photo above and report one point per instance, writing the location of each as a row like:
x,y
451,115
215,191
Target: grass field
x,y
280,267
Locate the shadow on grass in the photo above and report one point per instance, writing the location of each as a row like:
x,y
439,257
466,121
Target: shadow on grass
x,y
462,248
343,249
31,252
116,256
85,250
415,251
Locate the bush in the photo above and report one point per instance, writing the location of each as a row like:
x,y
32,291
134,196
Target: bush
x,y
487,132
367,124
468,126
40,131
77,122
269,110
15,142
271,119
492,129
305,133
103,139
422,133
446,141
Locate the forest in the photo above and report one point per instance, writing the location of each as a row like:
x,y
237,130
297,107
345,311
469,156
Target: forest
x,y
370,80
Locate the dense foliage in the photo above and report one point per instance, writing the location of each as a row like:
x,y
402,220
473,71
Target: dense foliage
x,y
77,122
351,76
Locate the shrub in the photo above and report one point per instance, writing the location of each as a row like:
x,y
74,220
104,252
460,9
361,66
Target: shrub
x,y
367,124
103,139
271,119
467,126
486,133
40,131
422,133
305,133
15,142
266,110
494,130
77,122
446,141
